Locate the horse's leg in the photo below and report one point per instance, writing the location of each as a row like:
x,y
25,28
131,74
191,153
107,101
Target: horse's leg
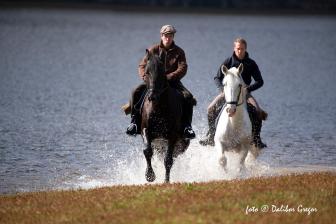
x,y
168,160
148,152
221,153
253,153
243,153
223,162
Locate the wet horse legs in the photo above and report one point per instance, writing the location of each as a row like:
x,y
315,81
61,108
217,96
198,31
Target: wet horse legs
x,y
148,152
168,161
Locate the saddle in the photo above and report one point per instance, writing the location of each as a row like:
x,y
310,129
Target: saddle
x,y
127,108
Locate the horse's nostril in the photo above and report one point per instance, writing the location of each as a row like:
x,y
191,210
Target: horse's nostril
x,y
231,111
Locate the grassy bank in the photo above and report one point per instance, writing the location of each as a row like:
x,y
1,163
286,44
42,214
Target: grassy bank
x,y
304,198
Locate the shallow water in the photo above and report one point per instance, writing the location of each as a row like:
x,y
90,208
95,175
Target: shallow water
x,y
64,75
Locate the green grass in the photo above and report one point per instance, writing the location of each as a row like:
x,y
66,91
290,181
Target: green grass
x,y
213,202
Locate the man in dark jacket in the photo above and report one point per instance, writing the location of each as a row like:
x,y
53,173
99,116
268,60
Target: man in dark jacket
x,y
250,71
175,69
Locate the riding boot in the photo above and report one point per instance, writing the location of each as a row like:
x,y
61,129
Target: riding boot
x,y
136,100
188,132
209,138
256,127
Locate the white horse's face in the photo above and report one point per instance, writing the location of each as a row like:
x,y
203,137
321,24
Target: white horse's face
x,y
233,84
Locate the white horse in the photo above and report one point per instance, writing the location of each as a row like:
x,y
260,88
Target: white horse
x,y
233,131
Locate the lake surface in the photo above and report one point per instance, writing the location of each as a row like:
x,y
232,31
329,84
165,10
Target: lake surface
x,y
64,74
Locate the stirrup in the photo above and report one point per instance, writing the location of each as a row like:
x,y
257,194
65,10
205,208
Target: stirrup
x,y
132,129
189,133
259,144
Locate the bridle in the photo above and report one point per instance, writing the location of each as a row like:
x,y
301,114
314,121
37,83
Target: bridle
x,y
236,103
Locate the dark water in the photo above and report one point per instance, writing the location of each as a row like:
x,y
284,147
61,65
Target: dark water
x,y
64,75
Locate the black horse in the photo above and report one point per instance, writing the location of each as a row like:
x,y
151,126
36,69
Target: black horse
x,y
161,117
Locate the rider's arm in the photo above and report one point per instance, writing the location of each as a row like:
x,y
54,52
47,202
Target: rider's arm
x,y
181,70
258,80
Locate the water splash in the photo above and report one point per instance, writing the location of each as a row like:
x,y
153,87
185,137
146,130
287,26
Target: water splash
x,y
197,164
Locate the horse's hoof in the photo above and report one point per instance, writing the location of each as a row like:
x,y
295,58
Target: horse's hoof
x,y
167,179
150,175
222,162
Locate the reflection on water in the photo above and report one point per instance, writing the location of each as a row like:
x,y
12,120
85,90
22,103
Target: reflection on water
x,y
65,74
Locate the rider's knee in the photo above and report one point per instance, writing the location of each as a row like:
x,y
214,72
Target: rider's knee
x,y
189,99
211,109
139,90
192,101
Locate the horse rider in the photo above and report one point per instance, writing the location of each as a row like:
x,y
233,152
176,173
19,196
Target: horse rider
x,y
175,69
251,70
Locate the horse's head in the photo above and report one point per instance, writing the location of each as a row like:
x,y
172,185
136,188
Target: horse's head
x,y
233,85
155,75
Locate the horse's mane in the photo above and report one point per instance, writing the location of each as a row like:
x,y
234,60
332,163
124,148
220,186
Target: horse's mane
x,y
155,72
153,60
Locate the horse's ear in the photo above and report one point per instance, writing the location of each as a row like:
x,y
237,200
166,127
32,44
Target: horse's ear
x,y
147,54
224,69
240,68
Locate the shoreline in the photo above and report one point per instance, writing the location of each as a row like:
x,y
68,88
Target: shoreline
x,y
276,172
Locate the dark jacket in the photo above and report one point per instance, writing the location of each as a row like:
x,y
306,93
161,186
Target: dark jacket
x,y
175,61
250,71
